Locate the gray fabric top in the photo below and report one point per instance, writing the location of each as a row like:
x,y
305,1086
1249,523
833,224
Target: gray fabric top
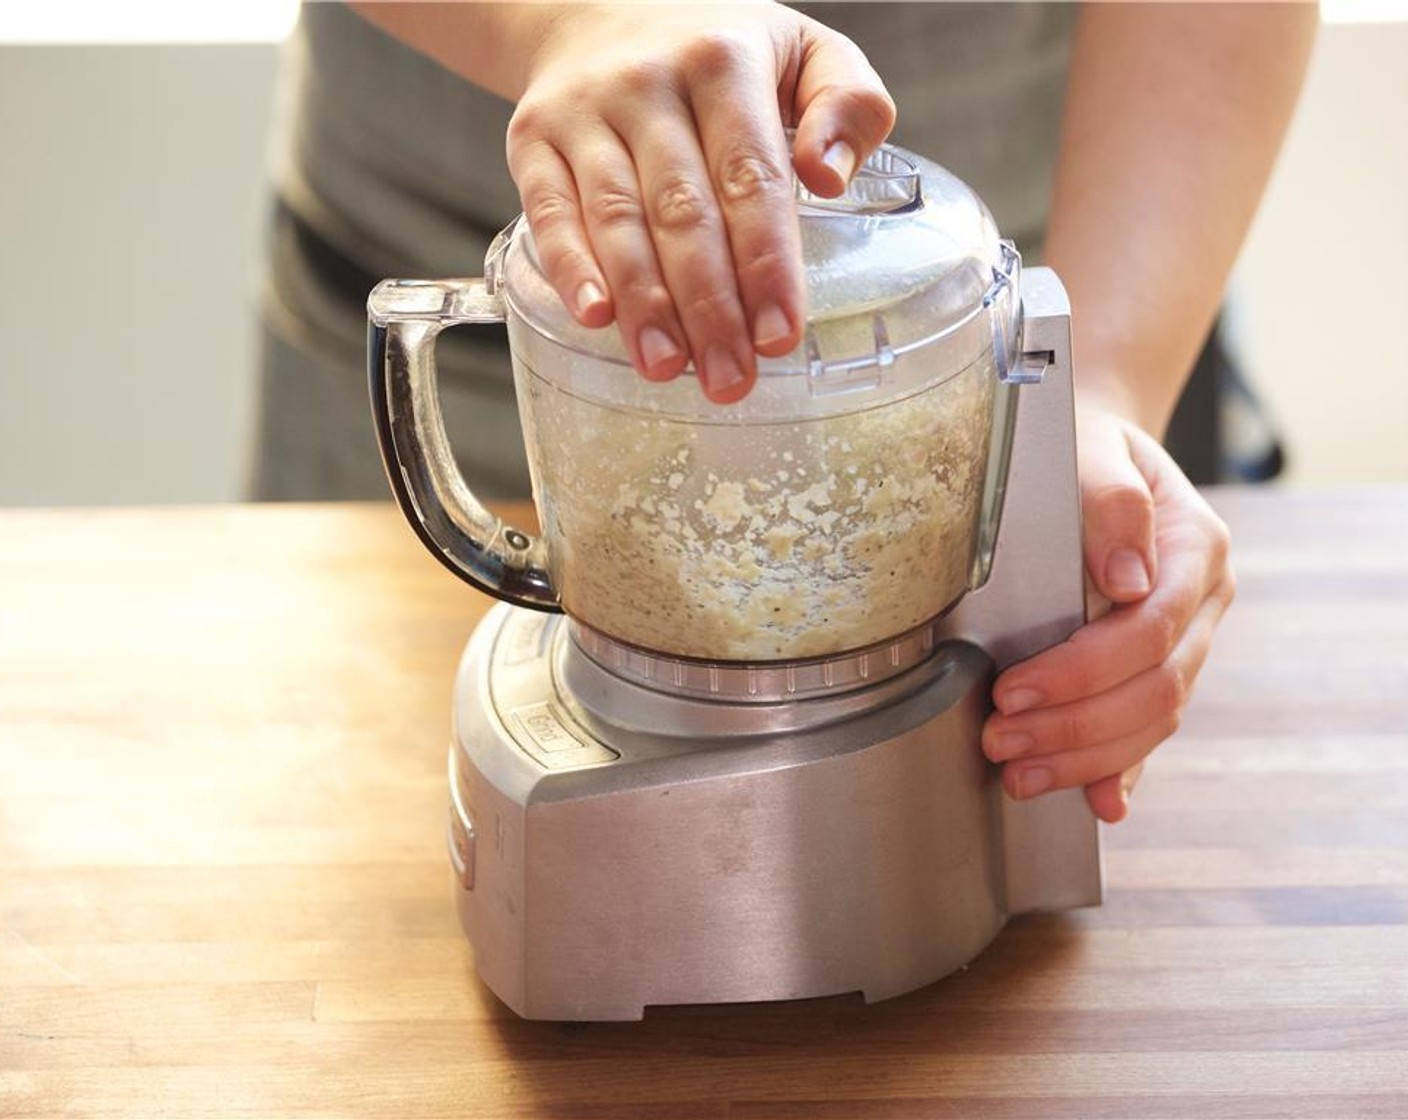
x,y
399,164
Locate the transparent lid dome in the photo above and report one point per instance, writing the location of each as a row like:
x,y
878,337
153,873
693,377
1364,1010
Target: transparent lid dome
x,y
906,256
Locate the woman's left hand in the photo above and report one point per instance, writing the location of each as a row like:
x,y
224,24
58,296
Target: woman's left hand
x,y
1089,711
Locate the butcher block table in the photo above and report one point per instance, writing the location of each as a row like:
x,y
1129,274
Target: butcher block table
x,y
224,889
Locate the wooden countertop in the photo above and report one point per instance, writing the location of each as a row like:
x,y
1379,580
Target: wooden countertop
x,y
224,888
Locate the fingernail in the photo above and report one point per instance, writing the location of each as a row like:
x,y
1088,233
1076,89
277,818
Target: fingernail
x,y
1011,744
589,296
1125,573
721,369
770,326
841,158
1034,780
656,347
1018,700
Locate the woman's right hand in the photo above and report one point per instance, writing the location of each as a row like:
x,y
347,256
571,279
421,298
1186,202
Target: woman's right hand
x,y
649,150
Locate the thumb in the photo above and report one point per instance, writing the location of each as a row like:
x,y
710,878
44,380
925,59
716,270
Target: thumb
x,y
842,111
1118,509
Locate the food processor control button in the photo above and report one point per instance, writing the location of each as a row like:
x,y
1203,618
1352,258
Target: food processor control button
x,y
546,737
462,847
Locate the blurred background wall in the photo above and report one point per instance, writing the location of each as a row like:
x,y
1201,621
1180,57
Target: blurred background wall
x,y
1323,279
129,211
132,197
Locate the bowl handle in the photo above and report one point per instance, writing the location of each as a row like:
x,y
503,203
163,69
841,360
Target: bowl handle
x,y
404,317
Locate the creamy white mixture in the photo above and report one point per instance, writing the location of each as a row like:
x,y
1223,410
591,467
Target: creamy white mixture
x,y
761,542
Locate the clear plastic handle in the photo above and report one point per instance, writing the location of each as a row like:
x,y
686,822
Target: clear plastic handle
x,y
404,319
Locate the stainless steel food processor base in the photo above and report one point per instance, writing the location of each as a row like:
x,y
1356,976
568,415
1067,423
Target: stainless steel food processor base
x,y
603,869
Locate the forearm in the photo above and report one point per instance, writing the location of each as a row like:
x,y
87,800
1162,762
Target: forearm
x,y
1173,119
492,45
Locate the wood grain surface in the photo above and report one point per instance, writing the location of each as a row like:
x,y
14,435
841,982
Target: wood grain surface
x,y
224,890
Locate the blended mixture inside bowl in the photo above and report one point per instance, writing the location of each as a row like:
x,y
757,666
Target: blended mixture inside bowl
x,y
759,542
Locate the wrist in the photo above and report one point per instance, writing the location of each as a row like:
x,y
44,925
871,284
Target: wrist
x,y
542,32
1115,395
495,46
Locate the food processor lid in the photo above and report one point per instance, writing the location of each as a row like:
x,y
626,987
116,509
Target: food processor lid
x,y
908,253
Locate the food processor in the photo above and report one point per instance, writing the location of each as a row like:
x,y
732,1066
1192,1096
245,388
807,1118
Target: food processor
x,y
721,741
